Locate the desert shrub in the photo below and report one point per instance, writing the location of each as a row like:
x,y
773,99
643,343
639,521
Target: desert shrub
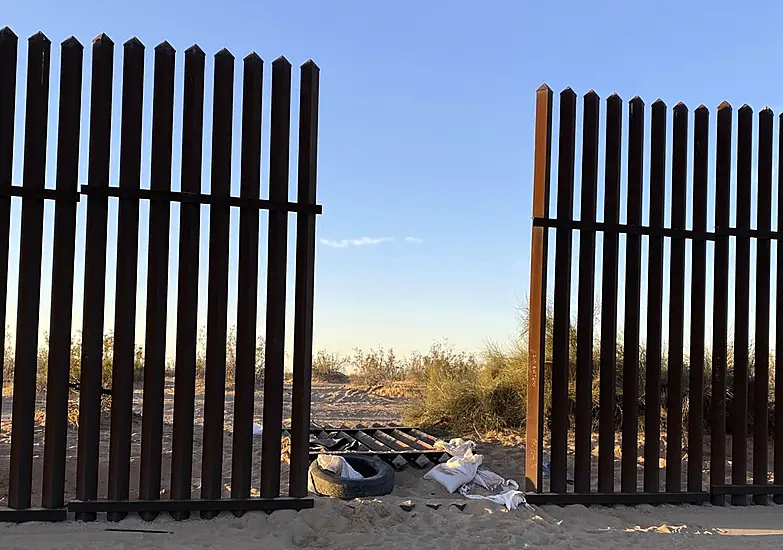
x,y
465,393
329,367
231,358
377,366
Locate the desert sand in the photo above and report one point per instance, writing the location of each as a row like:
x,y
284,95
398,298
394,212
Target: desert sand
x,y
436,520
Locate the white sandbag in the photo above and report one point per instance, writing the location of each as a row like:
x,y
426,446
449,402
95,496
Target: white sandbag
x,y
461,472
456,472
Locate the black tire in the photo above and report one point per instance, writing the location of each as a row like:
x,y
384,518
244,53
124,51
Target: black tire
x,y
378,480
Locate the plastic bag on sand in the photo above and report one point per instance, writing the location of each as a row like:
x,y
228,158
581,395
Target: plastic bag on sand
x,y
461,472
337,465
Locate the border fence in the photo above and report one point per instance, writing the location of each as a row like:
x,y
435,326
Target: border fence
x,y
66,196
729,389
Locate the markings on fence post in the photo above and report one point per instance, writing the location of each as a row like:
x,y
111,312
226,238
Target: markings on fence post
x,y
585,313
698,300
124,352
677,300
61,320
157,277
8,51
276,279
652,393
633,267
26,356
247,291
739,424
95,273
537,322
614,119
305,280
187,284
721,301
217,313
561,331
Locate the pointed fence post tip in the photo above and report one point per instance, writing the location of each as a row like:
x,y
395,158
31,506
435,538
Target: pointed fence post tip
x,y
746,108
6,32
310,64
567,91
165,47
681,107
252,57
658,103
614,98
71,42
38,37
134,43
591,95
102,38
281,61
702,109
767,111
224,53
724,105
544,88
636,100
195,49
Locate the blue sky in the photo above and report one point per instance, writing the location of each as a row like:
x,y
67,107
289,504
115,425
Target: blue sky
x,y
426,124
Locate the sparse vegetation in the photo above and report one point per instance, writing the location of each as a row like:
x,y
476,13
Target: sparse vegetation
x,y
330,367
453,390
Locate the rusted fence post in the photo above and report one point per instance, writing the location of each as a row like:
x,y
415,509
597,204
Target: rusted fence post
x,y
537,313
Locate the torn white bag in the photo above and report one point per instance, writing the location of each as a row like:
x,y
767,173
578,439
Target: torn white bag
x,y
461,472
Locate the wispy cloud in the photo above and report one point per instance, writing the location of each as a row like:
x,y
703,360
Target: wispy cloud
x,y
367,241
362,241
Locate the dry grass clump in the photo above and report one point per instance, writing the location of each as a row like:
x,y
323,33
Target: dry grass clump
x,y
463,392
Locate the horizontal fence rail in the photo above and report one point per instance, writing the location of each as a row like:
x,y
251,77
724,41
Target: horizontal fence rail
x,y
681,400
66,194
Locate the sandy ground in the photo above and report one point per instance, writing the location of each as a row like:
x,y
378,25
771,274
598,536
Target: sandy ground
x,y
437,520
